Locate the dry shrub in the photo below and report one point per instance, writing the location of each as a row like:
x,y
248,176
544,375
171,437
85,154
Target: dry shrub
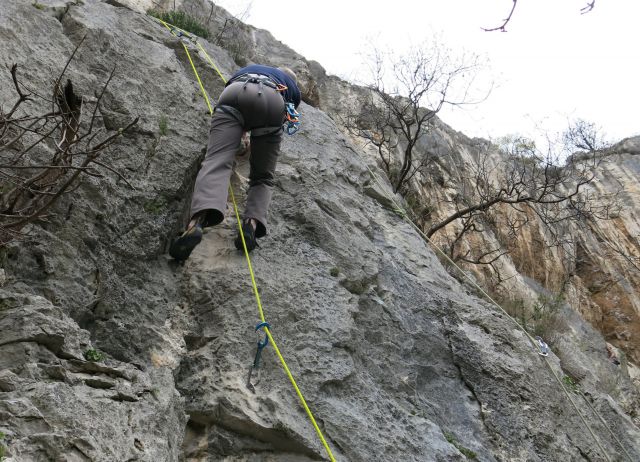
x,y
541,318
48,143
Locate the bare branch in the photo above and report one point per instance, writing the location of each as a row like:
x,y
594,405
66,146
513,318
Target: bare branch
x,y
111,169
511,188
400,111
502,27
588,7
21,96
53,151
100,96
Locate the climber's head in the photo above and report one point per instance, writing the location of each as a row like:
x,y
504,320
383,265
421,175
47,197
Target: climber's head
x,y
290,73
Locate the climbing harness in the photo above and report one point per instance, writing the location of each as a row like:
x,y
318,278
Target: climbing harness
x,y
292,117
544,348
232,111
255,366
264,131
256,78
263,325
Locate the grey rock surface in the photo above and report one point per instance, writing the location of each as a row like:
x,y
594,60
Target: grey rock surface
x,y
396,359
56,405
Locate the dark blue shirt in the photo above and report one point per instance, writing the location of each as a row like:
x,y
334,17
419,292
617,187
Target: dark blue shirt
x,y
291,94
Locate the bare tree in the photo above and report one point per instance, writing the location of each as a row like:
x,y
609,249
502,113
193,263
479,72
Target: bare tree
x,y
504,193
507,191
406,93
47,143
502,27
231,33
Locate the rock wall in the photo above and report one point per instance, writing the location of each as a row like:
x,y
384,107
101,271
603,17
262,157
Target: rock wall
x,y
596,270
110,351
606,274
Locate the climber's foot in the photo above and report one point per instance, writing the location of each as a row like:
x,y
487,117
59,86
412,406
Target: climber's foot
x,y
182,247
249,232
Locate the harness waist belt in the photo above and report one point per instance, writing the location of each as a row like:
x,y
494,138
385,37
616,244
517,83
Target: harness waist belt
x,y
255,78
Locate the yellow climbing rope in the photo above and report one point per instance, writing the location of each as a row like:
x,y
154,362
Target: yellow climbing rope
x,y
275,347
172,29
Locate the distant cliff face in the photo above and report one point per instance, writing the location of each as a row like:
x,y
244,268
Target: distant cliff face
x,y
606,273
110,351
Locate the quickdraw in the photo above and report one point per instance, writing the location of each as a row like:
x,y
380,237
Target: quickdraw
x,y
544,348
292,119
256,361
183,35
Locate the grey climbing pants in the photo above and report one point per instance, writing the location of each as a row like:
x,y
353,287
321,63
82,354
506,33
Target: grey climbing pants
x,y
260,106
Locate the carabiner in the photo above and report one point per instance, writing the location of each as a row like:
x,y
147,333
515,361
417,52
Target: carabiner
x,y
265,342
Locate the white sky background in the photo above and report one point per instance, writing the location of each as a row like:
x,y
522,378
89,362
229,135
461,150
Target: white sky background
x,y
553,64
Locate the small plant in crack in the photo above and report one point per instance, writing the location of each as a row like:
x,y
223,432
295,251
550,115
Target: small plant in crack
x,y
570,384
3,448
163,125
181,20
468,453
93,355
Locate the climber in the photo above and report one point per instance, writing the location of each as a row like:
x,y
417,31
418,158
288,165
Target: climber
x,y
256,99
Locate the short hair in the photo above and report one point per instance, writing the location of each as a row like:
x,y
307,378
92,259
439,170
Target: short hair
x,y
290,73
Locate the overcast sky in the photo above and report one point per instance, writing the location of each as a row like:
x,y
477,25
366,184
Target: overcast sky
x,y
552,65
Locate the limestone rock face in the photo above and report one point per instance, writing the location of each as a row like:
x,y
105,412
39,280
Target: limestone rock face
x,y
57,405
606,274
110,351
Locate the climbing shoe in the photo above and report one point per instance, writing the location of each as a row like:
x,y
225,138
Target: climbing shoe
x,y
182,247
249,237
